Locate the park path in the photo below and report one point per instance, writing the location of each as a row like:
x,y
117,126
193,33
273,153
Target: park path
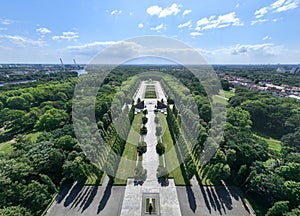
x,y
134,194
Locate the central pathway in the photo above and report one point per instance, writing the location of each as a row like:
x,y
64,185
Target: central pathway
x,y
133,198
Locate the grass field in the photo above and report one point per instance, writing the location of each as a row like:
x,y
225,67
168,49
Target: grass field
x,y
170,153
219,99
128,160
228,94
6,147
150,91
274,145
33,136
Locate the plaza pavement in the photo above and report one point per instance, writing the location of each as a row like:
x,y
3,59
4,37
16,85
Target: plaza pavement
x,y
80,200
133,198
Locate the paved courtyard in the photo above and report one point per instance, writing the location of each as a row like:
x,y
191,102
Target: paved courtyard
x,y
214,201
88,201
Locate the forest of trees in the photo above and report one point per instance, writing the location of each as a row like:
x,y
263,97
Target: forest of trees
x,y
37,168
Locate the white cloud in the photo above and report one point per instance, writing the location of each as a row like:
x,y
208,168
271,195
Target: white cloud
x,y
261,12
174,9
186,12
289,5
194,34
21,41
66,36
115,12
89,48
186,24
154,10
158,28
221,22
265,53
140,25
278,6
6,21
259,21
267,37
266,49
43,30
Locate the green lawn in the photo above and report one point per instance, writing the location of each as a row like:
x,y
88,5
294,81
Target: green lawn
x,y
170,153
274,145
33,136
128,160
6,147
150,91
219,99
228,94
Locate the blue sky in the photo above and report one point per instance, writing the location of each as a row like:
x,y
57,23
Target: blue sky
x,y
224,31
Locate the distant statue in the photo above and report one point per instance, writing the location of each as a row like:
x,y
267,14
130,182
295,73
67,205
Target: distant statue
x,y
150,208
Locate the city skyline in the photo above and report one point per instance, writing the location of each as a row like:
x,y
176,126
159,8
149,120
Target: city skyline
x,y
235,32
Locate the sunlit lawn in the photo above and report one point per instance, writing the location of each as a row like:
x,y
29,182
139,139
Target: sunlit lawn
x,y
170,153
219,99
150,91
228,94
6,147
128,160
274,145
33,136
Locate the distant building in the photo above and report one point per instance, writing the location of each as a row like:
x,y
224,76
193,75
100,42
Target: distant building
x,y
281,70
295,70
140,105
294,96
161,105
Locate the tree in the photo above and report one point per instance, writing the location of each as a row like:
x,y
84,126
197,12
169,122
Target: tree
x,y
160,148
158,131
205,112
142,148
15,211
52,119
279,208
143,130
140,174
144,120
66,143
36,196
162,173
61,96
226,85
28,97
292,139
17,102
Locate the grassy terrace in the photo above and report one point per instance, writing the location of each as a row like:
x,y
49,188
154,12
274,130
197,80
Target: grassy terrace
x,y
170,154
150,92
126,167
274,145
228,94
6,147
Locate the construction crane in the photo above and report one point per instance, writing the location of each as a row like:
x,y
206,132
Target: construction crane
x,y
62,63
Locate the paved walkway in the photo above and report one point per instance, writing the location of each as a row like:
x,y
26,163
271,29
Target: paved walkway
x,y
133,198
80,200
212,201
